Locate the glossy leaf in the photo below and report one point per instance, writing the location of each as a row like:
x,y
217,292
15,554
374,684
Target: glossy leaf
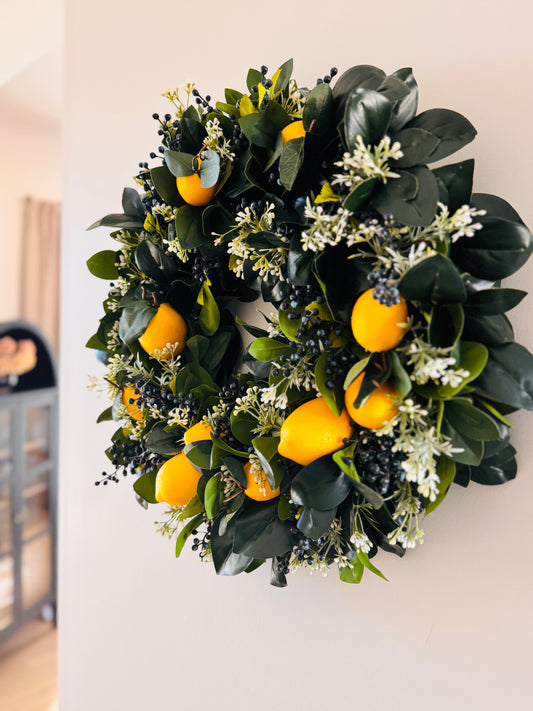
x,y
508,376
463,416
365,560
185,532
490,330
132,204
446,472
212,495
360,194
334,397
209,169
318,109
433,281
497,469
209,318
189,230
102,264
494,301
456,180
496,207
242,426
268,349
290,162
363,75
405,109
180,164
472,358
320,485
314,523
412,198
266,449
452,129
353,572
199,454
227,562
120,221
133,321
417,145
367,114
259,532
153,261
144,486
165,185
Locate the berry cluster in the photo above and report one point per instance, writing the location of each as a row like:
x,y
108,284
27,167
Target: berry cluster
x,y
377,463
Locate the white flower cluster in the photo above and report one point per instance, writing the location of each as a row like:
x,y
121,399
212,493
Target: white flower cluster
x,y
408,533
367,162
293,100
269,419
446,226
325,228
432,363
216,141
301,375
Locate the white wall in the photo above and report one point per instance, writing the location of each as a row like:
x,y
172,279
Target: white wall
x,y
31,167
140,631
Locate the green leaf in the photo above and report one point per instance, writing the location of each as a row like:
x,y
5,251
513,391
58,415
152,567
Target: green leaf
x,y
102,264
144,487
405,109
192,133
399,377
105,416
180,164
496,251
469,420
290,162
417,145
133,321
209,169
318,109
363,75
119,221
496,207
96,343
494,301
268,349
452,129
199,454
162,442
132,204
353,572
236,469
456,180
508,376
367,114
446,325
260,533
289,327
282,76
165,185
189,230
266,449
472,358
490,330
334,397
212,493
242,426
412,198
209,314
153,261
299,262
226,562
365,560
320,485
394,89
253,78
360,194
433,281
496,469
314,523
371,495
186,532
355,371
446,472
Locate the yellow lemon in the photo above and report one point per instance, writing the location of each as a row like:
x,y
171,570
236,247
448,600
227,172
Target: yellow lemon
x,y
312,431
176,481
292,130
191,190
131,393
200,431
378,409
377,327
166,326
259,490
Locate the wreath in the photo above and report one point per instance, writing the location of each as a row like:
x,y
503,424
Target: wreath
x,y
384,366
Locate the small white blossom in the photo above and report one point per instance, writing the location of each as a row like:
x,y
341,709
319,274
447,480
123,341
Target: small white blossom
x,y
367,162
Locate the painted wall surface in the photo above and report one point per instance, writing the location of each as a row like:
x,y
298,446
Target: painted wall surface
x,y
453,627
31,155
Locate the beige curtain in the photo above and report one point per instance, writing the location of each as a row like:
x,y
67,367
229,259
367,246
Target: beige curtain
x,y
40,267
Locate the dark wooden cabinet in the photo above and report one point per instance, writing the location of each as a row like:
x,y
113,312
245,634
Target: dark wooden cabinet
x,y
28,483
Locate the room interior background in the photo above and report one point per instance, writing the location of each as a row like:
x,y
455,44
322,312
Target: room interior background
x,y
139,630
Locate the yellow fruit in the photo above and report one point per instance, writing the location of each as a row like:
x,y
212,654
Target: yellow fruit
x,y
131,393
166,326
378,409
377,327
258,490
176,481
292,130
201,430
312,431
191,190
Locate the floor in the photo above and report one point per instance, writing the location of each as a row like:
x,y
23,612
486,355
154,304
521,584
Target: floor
x,y
28,669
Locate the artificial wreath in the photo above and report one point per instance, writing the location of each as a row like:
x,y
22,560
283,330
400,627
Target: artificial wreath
x,y
384,367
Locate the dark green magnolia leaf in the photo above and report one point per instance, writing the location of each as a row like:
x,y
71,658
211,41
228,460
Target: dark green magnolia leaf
x,y
497,469
314,523
353,572
209,318
134,320
496,251
226,562
433,281
299,262
266,449
417,145
457,181
192,133
360,194
242,426
344,460
199,454
446,325
209,169
253,78
494,301
165,184
102,264
405,109
367,114
132,204
197,346
333,396
162,442
180,164
227,448
320,485
468,451
400,379
343,280
490,330
290,162
153,262
144,487
123,222
186,531
412,198
394,89
189,230
446,471
218,346
496,207
452,129
268,349
470,420
508,376
236,469
212,496
252,330
363,75
318,109
259,532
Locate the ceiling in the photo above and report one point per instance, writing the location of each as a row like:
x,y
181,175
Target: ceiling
x,y
31,59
